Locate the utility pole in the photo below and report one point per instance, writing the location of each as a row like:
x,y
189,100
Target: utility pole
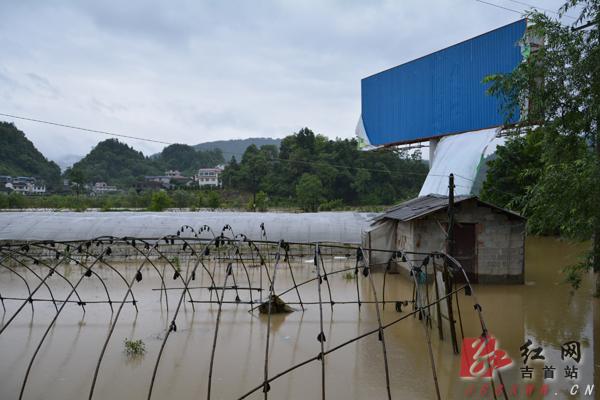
x,y
450,237
450,251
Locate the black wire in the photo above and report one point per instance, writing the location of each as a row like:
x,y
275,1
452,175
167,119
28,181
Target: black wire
x,y
524,4
224,152
275,159
540,8
499,6
85,129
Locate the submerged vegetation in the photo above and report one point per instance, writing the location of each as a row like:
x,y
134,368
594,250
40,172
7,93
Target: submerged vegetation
x,y
349,276
134,347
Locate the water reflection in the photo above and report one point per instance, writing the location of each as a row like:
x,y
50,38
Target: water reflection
x,y
544,310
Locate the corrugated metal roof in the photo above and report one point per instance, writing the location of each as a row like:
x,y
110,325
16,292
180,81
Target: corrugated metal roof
x,y
425,205
442,93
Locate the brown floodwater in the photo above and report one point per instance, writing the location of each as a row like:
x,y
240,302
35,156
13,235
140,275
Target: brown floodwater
x,y
543,310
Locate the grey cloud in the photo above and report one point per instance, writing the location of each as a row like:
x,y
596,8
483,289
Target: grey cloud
x,y
191,71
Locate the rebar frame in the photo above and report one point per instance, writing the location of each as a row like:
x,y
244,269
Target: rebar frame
x,y
218,247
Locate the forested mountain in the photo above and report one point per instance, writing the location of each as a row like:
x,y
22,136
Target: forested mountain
x,y
320,170
19,157
115,163
236,147
119,164
304,168
187,159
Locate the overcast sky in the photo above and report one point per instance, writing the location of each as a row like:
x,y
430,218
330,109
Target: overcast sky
x,y
196,71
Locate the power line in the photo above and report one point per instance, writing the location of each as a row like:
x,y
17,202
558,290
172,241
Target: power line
x,y
274,159
540,8
499,6
526,5
85,129
224,152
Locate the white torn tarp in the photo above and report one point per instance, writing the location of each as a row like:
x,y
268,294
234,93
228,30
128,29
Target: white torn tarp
x,y
461,155
364,143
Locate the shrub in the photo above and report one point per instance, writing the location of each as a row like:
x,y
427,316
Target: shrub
x,y
261,201
160,201
330,205
134,347
213,199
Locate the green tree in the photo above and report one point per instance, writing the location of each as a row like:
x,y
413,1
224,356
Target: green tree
x,y
187,159
16,200
213,199
514,172
19,157
77,176
200,200
181,198
558,87
3,201
254,167
116,163
261,201
160,201
352,176
309,192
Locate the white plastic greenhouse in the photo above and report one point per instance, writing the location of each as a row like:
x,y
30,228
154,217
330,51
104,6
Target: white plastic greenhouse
x,y
345,227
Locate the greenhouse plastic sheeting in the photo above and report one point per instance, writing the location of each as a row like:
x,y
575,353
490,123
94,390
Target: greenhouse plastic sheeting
x,y
381,235
460,155
345,227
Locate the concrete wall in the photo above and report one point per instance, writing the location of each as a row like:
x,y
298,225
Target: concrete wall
x,y
500,240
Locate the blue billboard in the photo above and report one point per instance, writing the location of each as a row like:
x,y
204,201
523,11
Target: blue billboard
x,y
442,93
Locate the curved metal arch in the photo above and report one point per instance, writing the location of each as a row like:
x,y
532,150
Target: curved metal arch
x,y
52,270
241,260
155,247
171,237
479,310
67,255
217,324
26,284
39,346
114,323
111,240
380,325
37,276
173,326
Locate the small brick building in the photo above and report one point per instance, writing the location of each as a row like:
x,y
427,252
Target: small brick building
x,y
489,241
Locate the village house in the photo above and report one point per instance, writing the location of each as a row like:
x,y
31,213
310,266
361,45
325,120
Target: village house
x,y
209,176
174,174
489,241
103,188
22,184
170,180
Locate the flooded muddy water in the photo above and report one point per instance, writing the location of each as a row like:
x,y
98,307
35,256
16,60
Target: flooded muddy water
x,y
544,310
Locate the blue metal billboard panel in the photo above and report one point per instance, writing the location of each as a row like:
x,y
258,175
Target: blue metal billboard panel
x,y
441,93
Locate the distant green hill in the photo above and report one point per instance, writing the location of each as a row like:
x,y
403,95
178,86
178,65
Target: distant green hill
x,y
187,159
118,164
115,163
19,157
236,147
